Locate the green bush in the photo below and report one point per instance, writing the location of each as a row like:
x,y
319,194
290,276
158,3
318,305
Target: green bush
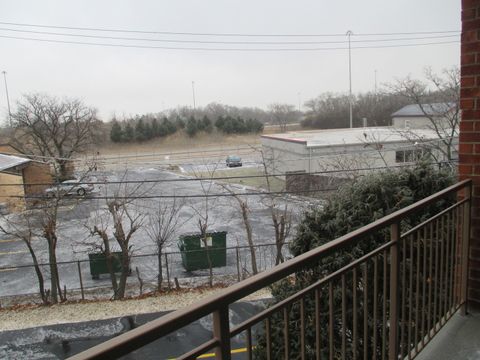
x,y
353,206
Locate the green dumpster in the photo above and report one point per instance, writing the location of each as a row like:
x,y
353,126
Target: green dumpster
x,y
98,263
194,252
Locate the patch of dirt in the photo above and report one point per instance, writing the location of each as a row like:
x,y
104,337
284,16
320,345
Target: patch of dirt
x,y
26,316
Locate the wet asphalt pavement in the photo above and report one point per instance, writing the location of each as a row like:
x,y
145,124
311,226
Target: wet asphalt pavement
x,y
76,217
64,340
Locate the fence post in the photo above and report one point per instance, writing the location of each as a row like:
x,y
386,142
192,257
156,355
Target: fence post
x,y
393,344
221,331
81,280
465,247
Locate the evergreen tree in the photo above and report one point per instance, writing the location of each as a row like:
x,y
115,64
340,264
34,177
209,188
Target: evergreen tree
x,y
170,128
239,126
162,130
179,123
200,126
228,125
207,124
128,133
253,125
147,131
353,206
116,132
155,128
220,123
140,130
191,127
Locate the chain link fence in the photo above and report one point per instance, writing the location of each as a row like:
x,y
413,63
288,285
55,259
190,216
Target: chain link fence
x,y
78,281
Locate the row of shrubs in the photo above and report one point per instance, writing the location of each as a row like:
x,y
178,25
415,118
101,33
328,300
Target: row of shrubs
x,y
146,129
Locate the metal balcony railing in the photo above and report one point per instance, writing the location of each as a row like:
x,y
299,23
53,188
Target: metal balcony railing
x,y
388,303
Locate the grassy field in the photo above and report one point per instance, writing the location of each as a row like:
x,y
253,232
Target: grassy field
x,y
257,182
179,142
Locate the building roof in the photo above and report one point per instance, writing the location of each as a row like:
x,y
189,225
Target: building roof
x,y
355,136
17,150
10,161
434,109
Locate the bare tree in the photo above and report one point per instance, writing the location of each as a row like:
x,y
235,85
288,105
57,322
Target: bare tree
x,y
282,114
438,99
203,214
40,224
120,221
280,213
23,229
245,211
49,227
161,228
55,128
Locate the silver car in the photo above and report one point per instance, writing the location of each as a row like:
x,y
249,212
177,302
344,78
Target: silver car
x,y
69,187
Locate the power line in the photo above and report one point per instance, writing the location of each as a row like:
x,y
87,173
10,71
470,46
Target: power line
x,y
116,157
222,49
103,161
409,145
191,196
220,34
214,178
227,42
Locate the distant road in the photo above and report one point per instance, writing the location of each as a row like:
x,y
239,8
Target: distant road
x,y
197,156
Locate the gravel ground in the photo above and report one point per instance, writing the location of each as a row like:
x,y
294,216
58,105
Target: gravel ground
x,y
14,319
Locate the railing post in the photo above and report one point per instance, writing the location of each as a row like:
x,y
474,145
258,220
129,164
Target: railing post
x,y
393,343
221,331
465,249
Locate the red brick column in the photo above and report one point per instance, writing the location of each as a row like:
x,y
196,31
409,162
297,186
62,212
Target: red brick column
x,y
469,151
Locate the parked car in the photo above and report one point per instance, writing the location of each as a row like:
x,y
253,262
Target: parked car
x,y
69,187
233,160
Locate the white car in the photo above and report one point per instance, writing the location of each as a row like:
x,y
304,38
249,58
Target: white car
x,y
69,187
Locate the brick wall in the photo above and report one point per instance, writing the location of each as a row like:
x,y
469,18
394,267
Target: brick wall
x,y
469,149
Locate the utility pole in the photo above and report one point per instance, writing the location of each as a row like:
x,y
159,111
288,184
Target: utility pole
x,y
8,100
193,93
299,107
350,33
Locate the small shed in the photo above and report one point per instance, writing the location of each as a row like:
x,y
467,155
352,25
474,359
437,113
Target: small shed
x,y
21,177
420,116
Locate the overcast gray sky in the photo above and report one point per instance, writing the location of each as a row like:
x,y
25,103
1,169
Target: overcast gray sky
x,y
138,80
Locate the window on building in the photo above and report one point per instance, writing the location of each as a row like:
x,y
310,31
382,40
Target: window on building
x,y
411,155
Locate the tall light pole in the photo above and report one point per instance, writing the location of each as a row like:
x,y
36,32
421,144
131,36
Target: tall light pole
x,y
375,81
193,94
299,107
350,33
8,100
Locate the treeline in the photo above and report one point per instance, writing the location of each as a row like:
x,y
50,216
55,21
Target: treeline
x,y
142,129
148,127
332,111
237,125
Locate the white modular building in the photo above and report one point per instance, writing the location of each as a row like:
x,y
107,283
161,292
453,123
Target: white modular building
x,y
341,152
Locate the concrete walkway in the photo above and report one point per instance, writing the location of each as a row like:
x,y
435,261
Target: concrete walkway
x,y
458,339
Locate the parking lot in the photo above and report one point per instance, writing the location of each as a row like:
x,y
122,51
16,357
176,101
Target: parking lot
x,y
76,217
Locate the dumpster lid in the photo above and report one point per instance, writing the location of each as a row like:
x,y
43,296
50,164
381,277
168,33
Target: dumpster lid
x,y
196,233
